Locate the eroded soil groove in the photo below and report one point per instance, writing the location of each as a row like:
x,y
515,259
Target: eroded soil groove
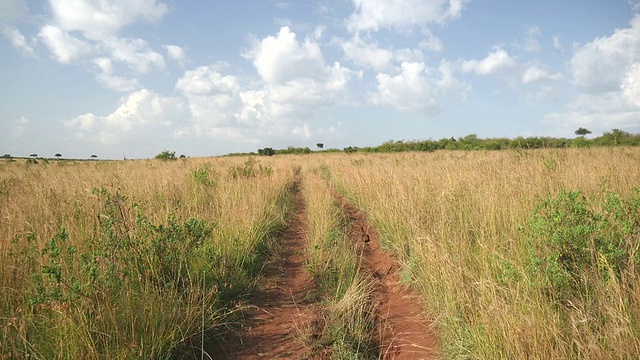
x,y
404,330
281,312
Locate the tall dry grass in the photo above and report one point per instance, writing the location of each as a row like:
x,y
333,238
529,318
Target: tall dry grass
x,y
461,223
346,318
107,259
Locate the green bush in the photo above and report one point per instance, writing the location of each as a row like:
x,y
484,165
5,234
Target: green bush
x,y
249,169
166,155
574,243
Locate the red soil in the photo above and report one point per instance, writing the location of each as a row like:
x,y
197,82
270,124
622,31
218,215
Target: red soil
x,y
404,329
281,311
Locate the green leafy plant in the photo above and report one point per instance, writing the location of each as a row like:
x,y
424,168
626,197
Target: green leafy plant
x,y
166,155
572,242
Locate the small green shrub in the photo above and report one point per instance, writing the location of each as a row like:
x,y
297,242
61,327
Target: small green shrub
x,y
205,176
249,169
572,243
166,155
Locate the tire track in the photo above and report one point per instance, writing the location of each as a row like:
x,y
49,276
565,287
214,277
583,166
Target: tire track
x,y
281,312
404,329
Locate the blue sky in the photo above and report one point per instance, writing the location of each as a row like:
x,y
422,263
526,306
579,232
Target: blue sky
x,y
135,77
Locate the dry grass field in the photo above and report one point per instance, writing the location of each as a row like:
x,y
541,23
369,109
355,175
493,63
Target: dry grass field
x,y
514,254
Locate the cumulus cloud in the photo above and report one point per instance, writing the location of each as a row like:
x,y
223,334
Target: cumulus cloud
x,y
282,57
494,62
631,84
109,80
534,74
607,72
599,113
368,53
373,15
18,40
294,84
135,53
88,30
213,98
99,19
176,53
600,65
142,111
296,78
408,90
65,47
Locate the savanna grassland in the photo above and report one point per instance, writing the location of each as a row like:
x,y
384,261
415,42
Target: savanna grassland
x,y
514,253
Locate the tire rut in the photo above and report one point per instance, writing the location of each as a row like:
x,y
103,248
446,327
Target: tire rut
x,y
281,312
404,329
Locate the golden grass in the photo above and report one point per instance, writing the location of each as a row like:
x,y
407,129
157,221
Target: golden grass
x,y
453,219
144,207
459,222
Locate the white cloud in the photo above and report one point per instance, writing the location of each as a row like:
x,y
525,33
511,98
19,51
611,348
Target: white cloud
x,y
281,58
495,61
176,53
534,74
402,14
297,81
294,84
448,80
600,66
598,113
206,80
631,84
409,90
370,55
136,53
11,10
19,126
65,47
99,19
109,80
367,54
18,40
141,112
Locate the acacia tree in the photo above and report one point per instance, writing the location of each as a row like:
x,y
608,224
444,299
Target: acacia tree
x,y
582,132
58,155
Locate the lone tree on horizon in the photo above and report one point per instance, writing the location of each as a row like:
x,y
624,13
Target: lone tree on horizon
x,y
582,132
320,145
94,156
34,155
58,155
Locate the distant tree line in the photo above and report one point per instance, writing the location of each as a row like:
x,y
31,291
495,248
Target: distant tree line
x,y
472,142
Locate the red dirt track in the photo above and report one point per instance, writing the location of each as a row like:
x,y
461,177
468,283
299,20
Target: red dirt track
x,y
404,330
281,312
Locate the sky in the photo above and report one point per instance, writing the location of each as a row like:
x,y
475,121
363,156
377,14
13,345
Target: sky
x,y
131,78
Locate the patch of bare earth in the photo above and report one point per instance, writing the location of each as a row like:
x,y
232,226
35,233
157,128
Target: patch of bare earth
x,y
281,312
404,329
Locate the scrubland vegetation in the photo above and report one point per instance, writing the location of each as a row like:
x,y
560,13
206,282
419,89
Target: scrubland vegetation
x,y
117,259
518,254
515,253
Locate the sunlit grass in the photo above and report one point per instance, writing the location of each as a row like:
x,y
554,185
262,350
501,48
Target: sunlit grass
x,y
107,259
459,222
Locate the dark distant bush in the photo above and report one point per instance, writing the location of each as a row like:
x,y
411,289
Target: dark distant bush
x,y
166,155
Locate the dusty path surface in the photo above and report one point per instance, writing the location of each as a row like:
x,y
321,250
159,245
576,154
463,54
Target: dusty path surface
x,y
404,330
282,310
